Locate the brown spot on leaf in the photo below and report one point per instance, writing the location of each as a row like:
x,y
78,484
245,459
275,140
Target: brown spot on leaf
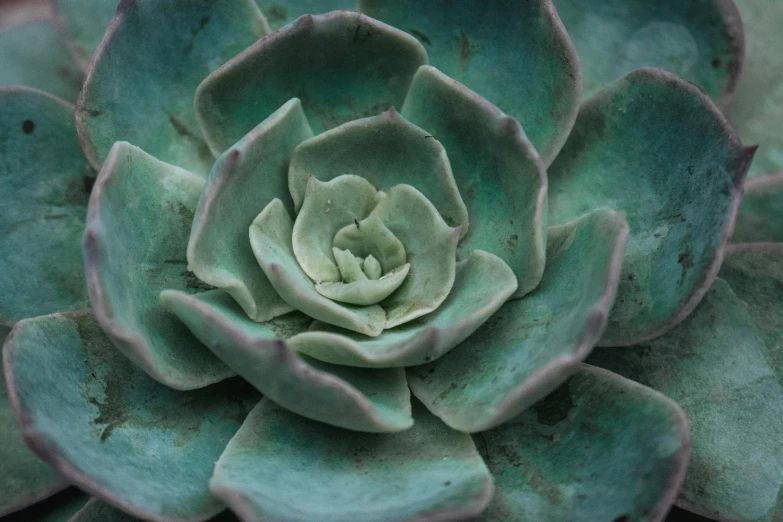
x,y
28,126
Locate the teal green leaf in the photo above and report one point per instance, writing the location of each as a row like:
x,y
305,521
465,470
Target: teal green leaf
x,y
282,467
386,150
431,247
722,365
270,238
532,345
342,65
757,109
357,399
483,282
24,479
328,207
280,12
98,418
34,55
700,41
760,214
57,508
142,79
599,448
245,178
515,54
499,174
656,147
140,215
84,23
365,291
45,182
373,241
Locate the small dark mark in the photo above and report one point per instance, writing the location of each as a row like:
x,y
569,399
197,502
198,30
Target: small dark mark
x,y
431,370
430,136
421,36
428,358
465,51
28,126
361,34
716,62
356,222
276,13
175,262
447,483
622,518
55,216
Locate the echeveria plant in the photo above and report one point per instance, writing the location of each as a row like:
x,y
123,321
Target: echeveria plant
x,y
347,264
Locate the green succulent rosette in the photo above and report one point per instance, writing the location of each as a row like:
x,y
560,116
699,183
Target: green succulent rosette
x,y
312,261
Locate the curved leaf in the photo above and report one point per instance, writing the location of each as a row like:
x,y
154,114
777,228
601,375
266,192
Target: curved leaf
x,y
726,375
140,215
499,174
600,447
656,147
270,238
141,81
282,467
385,150
481,285
95,416
245,178
347,66
531,345
515,54
45,182
363,400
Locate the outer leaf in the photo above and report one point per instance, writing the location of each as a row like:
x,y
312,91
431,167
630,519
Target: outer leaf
x,y
140,83
45,182
482,284
134,246
33,55
515,54
725,372
270,238
280,12
363,400
758,107
282,467
531,346
99,419
387,151
347,66
24,479
500,176
599,448
760,215
657,148
701,41
83,22
245,178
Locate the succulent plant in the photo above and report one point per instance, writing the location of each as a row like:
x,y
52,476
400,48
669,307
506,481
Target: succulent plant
x,y
305,261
